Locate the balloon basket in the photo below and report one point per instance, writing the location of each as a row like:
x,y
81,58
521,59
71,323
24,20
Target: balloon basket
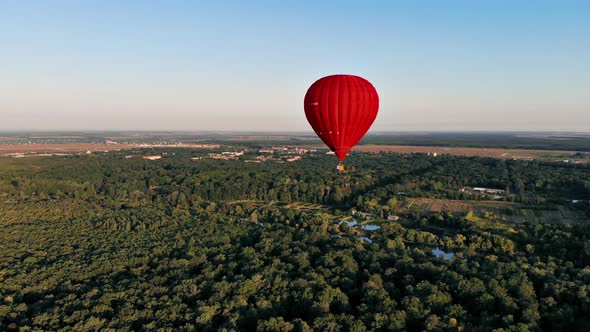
x,y
340,167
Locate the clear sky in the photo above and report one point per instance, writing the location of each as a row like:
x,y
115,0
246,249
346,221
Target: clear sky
x,y
246,65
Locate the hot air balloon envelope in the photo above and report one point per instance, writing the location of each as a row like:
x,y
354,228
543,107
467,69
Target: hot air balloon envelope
x,y
341,109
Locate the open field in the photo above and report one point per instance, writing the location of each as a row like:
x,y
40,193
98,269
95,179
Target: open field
x,y
502,211
291,205
6,149
447,205
59,148
479,152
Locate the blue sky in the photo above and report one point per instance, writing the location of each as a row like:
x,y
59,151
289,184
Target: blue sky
x,y
245,65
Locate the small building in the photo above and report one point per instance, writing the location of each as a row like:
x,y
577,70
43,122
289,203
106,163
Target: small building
x,y
232,153
485,192
298,151
222,156
294,158
155,157
488,190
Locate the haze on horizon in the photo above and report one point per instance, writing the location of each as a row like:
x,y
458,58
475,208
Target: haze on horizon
x,y
244,66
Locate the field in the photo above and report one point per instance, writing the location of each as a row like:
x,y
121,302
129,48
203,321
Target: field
x,y
492,210
7,149
60,148
479,152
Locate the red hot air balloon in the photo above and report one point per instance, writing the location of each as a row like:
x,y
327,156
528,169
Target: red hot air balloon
x,y
340,109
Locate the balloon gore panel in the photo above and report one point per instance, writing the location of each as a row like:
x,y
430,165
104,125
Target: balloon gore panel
x,y
341,109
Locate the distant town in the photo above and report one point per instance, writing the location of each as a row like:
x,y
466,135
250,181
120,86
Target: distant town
x,y
282,147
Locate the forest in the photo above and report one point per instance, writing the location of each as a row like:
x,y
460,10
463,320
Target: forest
x,y
104,242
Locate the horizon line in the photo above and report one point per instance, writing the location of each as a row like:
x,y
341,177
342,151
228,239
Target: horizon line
x,y
305,132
